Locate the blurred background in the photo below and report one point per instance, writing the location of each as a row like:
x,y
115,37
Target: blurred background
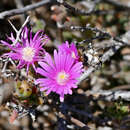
x,y
85,109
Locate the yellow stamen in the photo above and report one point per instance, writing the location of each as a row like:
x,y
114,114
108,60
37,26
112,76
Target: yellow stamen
x,y
28,53
62,78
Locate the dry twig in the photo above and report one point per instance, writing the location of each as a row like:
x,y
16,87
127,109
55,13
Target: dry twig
x,y
13,12
108,95
106,56
18,33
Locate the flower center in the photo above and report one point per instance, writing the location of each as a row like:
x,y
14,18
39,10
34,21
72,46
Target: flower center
x,y
28,53
62,78
73,55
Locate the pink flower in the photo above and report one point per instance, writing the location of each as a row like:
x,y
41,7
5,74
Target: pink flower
x,y
29,50
69,49
60,74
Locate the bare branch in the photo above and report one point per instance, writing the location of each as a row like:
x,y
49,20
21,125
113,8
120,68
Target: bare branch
x,y
91,11
108,95
106,56
87,27
20,30
13,26
99,34
13,12
84,12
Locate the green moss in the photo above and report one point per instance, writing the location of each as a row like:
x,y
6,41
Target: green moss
x,y
126,68
117,110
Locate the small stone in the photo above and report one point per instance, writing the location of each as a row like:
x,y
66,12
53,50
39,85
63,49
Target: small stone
x,y
4,114
35,125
